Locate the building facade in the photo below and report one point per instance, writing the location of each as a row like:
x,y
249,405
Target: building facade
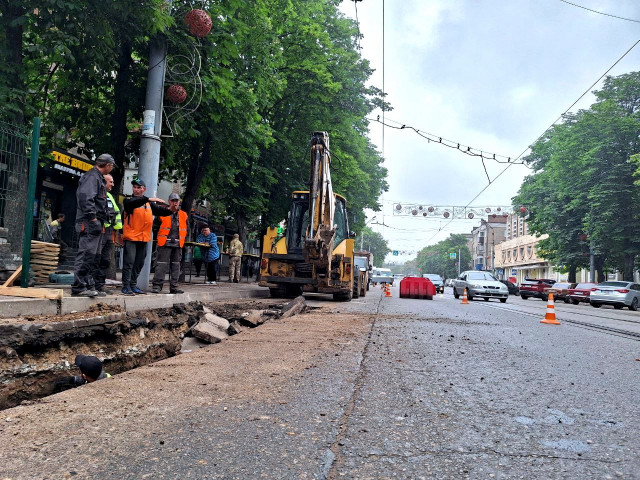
x,y
484,238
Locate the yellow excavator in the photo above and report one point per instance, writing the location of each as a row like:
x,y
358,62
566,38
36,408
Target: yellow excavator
x,y
315,254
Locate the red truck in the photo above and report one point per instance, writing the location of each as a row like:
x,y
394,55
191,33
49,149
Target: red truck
x,y
536,287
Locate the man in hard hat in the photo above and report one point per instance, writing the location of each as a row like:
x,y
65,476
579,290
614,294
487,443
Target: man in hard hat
x,y
113,224
138,221
91,214
171,236
236,249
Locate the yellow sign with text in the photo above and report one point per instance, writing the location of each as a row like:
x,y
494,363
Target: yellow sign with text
x,y
72,162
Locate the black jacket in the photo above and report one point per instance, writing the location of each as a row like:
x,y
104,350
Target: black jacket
x,y
91,197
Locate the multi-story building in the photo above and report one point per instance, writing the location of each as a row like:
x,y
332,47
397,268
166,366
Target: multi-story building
x,y
485,237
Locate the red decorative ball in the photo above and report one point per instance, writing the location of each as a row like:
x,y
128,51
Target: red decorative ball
x,y
199,23
177,93
523,209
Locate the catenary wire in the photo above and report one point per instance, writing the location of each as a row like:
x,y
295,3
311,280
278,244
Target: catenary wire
x,y
600,13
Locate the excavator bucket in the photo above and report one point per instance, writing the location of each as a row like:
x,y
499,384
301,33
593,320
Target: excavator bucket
x,y
417,287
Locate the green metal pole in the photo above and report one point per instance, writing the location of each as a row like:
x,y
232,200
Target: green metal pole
x,y
31,194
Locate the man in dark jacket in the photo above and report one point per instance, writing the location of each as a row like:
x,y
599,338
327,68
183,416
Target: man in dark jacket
x,y
91,214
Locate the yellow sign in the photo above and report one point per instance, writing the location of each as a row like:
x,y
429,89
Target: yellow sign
x,y
72,162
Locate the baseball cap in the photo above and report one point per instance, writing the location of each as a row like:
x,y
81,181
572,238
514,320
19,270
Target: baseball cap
x,y
174,196
137,181
89,365
105,157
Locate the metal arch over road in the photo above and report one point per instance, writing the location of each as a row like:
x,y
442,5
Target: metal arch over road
x,y
450,212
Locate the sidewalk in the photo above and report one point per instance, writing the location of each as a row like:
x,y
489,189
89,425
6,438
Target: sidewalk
x,y
13,307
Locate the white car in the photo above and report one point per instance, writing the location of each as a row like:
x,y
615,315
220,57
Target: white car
x,y
480,284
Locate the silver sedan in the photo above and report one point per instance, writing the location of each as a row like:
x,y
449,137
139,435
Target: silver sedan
x,y
617,293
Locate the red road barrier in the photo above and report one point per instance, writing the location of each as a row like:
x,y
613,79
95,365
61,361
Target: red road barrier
x,y
417,287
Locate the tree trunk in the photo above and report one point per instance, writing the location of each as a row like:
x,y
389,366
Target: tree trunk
x,y
119,130
197,166
572,274
14,79
600,276
629,261
241,222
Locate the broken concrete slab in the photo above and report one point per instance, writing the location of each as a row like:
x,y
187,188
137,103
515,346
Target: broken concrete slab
x,y
189,344
235,327
209,332
252,318
294,307
221,323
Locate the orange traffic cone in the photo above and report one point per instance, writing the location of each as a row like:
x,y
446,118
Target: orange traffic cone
x,y
387,291
465,300
550,317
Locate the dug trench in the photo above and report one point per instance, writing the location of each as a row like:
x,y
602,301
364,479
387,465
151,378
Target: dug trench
x,y
37,353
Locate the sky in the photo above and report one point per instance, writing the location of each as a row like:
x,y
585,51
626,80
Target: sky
x,y
489,74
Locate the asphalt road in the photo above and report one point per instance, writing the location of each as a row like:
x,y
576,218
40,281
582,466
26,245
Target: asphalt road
x,y
372,389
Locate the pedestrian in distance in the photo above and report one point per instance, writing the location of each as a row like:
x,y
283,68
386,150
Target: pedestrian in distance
x,y
171,236
138,222
91,214
111,226
55,228
212,254
236,249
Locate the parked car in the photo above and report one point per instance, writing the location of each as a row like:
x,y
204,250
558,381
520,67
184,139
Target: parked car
x,y
436,280
449,282
512,287
480,284
536,287
581,292
561,291
618,294
381,275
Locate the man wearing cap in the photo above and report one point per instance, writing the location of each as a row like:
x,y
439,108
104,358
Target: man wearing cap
x,y
235,258
138,221
91,214
171,236
91,370
113,224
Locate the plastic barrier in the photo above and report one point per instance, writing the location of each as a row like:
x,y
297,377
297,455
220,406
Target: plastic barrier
x,y
417,287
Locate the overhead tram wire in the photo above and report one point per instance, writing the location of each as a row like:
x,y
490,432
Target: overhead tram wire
x,y
600,13
540,136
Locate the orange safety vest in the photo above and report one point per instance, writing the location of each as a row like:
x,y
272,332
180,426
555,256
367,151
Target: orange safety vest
x,y
137,225
165,228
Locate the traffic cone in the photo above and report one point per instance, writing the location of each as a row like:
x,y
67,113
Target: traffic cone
x,y
387,291
465,300
550,317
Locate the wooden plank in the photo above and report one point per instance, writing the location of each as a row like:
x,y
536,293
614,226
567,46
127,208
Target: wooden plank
x,y
50,293
49,263
13,277
36,242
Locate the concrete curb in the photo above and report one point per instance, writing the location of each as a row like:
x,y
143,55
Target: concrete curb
x,y
21,307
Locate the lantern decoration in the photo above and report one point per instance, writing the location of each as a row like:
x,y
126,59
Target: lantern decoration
x,y
177,93
424,214
199,23
523,209
430,209
488,210
446,214
470,215
398,207
493,215
499,209
414,212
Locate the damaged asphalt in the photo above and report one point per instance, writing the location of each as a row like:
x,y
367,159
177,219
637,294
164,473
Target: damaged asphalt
x,y
375,388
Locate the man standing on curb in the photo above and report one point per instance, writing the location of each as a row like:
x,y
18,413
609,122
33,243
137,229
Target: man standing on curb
x,y
235,258
91,214
138,221
108,238
171,236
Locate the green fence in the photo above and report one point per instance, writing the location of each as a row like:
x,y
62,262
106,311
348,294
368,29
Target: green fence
x,y
14,178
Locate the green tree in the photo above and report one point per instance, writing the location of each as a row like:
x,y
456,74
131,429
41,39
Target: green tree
x,y
582,191
437,258
375,243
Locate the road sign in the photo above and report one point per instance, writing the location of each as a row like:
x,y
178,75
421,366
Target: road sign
x,y
452,256
395,252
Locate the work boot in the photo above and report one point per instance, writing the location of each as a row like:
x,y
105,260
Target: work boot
x,y
127,291
101,293
85,293
156,290
176,290
137,291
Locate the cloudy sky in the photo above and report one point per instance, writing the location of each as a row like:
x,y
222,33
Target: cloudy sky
x,y
490,74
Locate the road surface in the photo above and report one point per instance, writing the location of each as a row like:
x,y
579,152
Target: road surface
x,y
377,388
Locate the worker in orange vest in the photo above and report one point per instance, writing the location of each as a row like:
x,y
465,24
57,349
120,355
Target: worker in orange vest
x,y
136,232
171,236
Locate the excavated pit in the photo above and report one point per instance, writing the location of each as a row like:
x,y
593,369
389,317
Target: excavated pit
x,y
36,352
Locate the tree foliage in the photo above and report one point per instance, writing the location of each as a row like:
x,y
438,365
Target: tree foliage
x,y
273,71
582,192
437,258
375,243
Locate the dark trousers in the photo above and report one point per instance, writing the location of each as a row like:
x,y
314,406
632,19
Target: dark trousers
x,y
134,256
104,259
212,270
198,264
167,259
86,263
